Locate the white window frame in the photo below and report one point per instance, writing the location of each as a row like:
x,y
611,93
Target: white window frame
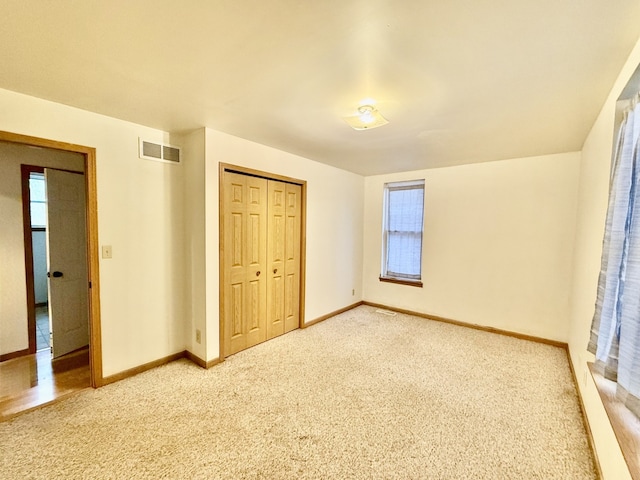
x,y
400,277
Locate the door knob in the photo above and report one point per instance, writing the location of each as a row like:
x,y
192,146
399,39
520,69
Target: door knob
x,y
275,270
258,273
55,274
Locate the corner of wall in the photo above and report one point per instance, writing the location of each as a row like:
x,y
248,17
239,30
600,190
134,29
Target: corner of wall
x,y
195,328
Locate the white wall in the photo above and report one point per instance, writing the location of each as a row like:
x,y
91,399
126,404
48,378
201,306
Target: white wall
x,y
497,246
334,226
14,335
140,213
592,207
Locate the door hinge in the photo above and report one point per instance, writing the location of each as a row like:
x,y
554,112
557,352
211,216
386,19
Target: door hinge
x,y
89,284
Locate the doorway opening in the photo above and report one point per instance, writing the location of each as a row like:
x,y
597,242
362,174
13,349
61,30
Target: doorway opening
x,y
90,246
38,223
55,258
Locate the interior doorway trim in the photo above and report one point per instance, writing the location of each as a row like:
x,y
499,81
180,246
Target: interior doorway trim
x,y
225,167
89,153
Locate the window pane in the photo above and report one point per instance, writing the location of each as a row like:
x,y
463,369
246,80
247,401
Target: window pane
x,y
403,229
38,214
36,187
405,210
404,254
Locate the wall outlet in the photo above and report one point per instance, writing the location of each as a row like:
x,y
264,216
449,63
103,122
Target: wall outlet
x,y
198,336
107,251
353,292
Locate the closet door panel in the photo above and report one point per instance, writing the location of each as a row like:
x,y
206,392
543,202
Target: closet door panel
x,y
293,213
244,257
276,257
255,246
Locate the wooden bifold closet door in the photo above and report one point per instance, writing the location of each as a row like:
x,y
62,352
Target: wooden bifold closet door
x,y
261,259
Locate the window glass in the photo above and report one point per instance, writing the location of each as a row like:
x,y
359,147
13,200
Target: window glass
x,y
38,214
403,221
38,200
36,188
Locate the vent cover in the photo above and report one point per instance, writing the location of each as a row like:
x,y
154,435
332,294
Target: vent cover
x,y
159,152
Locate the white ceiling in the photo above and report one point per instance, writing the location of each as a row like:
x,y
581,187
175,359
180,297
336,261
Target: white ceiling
x,y
460,81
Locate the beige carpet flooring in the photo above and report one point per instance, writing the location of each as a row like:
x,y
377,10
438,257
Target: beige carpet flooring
x,y
359,396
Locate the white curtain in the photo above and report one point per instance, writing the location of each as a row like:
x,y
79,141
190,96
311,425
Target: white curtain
x,y
615,331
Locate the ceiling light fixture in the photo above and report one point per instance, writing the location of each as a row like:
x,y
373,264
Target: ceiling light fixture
x,y
368,117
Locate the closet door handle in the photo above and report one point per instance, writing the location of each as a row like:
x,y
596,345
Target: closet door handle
x,y
258,273
275,270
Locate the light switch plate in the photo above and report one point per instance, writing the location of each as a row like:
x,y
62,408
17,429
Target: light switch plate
x,y
107,252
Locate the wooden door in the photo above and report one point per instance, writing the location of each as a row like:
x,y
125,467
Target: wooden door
x,y
292,239
261,221
283,258
67,260
276,258
245,261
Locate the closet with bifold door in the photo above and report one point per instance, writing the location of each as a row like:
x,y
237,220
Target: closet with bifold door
x,y
261,220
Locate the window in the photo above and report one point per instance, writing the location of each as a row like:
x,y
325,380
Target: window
x,y
38,200
402,232
616,323
615,329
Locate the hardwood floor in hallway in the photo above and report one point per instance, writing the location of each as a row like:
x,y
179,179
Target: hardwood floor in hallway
x,y
34,380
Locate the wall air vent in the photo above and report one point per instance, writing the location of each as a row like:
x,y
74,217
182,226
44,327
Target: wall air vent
x,y
159,152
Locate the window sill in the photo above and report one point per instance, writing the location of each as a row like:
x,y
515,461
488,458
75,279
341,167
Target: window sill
x,y
411,283
625,424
